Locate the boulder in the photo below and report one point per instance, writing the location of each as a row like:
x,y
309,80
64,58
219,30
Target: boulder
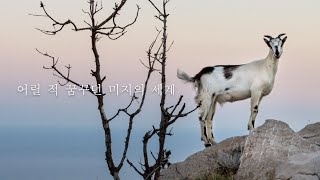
x,y
271,151
303,166
311,132
221,159
267,146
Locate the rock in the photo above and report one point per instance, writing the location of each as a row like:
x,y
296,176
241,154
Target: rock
x,y
271,151
267,146
221,159
303,166
311,132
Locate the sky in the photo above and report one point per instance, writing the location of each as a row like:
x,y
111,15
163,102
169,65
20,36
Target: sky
x,y
49,137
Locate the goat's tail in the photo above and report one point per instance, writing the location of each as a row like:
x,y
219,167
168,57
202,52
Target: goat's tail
x,y
184,76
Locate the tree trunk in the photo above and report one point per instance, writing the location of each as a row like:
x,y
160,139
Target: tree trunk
x,y
116,176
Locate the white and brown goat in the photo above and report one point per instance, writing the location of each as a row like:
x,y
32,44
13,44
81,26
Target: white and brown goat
x,y
229,83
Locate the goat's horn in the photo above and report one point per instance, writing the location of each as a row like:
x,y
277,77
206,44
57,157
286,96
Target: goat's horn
x,y
267,36
281,35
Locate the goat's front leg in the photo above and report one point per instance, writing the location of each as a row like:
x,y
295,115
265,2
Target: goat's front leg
x,y
255,101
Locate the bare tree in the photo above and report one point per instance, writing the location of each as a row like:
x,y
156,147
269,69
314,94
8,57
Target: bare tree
x,y
169,115
110,28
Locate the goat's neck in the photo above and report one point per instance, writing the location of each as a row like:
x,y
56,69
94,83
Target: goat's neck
x,y
272,62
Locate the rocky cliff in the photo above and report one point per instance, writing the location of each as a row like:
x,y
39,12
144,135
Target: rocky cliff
x,y
271,151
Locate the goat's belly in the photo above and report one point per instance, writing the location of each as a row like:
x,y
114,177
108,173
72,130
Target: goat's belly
x,y
238,96
233,96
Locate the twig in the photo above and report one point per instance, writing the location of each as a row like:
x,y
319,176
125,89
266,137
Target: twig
x,y
61,75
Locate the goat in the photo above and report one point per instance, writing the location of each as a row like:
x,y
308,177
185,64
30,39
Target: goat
x,y
230,83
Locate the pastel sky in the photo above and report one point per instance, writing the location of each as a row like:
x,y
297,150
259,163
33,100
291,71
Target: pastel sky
x,y
205,33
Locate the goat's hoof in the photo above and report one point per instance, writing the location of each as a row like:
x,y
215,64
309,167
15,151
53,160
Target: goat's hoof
x,y
250,130
207,145
212,142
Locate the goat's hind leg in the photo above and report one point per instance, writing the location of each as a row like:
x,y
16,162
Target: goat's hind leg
x,y
205,104
203,129
209,119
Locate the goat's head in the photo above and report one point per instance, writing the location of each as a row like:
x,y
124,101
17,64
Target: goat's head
x,y
275,44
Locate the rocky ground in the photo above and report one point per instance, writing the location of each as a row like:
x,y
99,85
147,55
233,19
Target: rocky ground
x,y
271,151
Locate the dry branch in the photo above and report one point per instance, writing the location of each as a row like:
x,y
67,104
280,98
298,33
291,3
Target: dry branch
x,y
167,117
61,75
108,27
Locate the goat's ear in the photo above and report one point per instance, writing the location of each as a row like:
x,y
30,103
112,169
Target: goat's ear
x,y
284,40
267,42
